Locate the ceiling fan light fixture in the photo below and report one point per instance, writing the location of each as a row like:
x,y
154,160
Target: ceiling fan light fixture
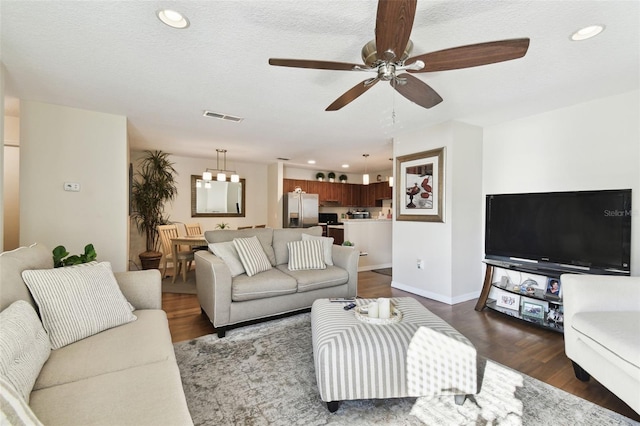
x,y
587,32
172,18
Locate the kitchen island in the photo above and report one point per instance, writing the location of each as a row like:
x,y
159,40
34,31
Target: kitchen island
x,y
372,237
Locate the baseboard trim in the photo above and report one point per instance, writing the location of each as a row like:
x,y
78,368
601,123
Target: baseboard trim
x,y
436,296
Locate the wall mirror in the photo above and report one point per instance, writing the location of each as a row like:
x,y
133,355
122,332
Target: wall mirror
x,y
217,199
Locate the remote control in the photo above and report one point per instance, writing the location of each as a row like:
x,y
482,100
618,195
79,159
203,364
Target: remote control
x,y
349,306
342,299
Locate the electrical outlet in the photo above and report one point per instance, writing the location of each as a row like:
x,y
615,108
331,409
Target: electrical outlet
x,y
72,186
420,264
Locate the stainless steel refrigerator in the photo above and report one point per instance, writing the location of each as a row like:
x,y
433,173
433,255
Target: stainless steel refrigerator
x,y
300,210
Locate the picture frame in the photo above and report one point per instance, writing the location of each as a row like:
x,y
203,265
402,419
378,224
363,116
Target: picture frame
x,y
533,310
505,299
554,288
420,187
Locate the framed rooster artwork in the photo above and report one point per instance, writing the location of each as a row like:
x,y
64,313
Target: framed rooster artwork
x,y
420,190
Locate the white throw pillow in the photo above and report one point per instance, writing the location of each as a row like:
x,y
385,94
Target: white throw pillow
x,y
327,244
78,302
252,255
304,255
228,253
14,409
24,346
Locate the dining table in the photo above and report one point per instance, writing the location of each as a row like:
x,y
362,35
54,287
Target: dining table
x,y
186,240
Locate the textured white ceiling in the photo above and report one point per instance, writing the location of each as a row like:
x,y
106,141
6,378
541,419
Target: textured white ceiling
x,y
117,57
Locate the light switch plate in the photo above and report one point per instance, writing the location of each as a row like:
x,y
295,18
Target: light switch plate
x,y
72,186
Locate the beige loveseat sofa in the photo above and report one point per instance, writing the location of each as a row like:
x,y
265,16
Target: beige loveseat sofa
x,y
602,331
229,301
125,375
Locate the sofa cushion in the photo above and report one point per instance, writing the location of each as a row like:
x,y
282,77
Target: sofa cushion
x,y
617,332
267,284
228,253
12,263
77,302
24,346
319,278
140,342
14,410
150,394
305,255
264,235
283,236
327,244
253,258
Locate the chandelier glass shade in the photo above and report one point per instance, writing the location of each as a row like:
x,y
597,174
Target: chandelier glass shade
x,y
221,173
365,176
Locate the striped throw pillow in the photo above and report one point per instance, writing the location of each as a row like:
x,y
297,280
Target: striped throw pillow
x,y
305,255
253,258
77,302
24,346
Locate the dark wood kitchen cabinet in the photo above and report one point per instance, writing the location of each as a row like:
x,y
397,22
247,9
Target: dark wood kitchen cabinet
x,y
343,194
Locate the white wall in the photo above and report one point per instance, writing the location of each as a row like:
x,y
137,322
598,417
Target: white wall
x,y
11,187
61,144
2,156
452,251
589,146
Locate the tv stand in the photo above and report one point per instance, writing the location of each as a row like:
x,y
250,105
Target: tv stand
x,y
534,299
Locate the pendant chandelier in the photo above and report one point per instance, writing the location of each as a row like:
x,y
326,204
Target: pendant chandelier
x,y
221,174
365,176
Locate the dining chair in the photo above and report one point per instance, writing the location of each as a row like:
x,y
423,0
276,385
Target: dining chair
x,y
245,227
260,226
194,229
184,257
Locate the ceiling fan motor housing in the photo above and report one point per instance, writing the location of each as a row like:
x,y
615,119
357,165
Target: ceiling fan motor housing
x,y
370,55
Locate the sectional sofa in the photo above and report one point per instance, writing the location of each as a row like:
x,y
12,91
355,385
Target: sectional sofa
x,y
123,375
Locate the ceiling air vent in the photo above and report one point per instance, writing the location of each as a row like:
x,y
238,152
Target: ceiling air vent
x,y
222,116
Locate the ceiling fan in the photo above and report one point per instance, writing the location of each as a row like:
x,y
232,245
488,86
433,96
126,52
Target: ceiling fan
x,y
389,53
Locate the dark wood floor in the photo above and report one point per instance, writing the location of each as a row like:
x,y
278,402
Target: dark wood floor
x,y
531,350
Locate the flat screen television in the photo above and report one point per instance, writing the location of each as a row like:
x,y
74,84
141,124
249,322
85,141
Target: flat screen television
x,y
583,229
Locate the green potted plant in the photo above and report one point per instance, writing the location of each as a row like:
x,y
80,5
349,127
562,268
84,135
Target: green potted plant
x,y
223,225
153,185
320,176
343,178
331,176
60,258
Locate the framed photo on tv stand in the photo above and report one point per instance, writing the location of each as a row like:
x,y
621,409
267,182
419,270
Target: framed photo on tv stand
x,y
554,289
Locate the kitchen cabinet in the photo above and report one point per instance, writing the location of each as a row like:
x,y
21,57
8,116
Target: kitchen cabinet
x,y
343,194
337,232
289,185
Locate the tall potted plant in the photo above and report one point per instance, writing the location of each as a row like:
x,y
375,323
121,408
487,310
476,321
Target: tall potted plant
x,y
154,184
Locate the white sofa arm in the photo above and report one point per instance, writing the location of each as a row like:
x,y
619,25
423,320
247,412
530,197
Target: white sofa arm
x,y
597,293
143,289
213,284
347,258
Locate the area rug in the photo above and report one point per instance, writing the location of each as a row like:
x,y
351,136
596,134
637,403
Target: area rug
x,y
188,287
264,375
383,271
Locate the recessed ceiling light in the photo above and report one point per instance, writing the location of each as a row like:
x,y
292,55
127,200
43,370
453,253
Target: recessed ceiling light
x,y
311,162
345,166
172,18
587,32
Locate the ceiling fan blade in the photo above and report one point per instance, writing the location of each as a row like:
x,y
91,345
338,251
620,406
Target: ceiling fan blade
x,y
310,63
417,91
472,55
351,94
394,21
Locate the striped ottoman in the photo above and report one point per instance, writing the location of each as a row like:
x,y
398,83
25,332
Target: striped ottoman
x,y
419,356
